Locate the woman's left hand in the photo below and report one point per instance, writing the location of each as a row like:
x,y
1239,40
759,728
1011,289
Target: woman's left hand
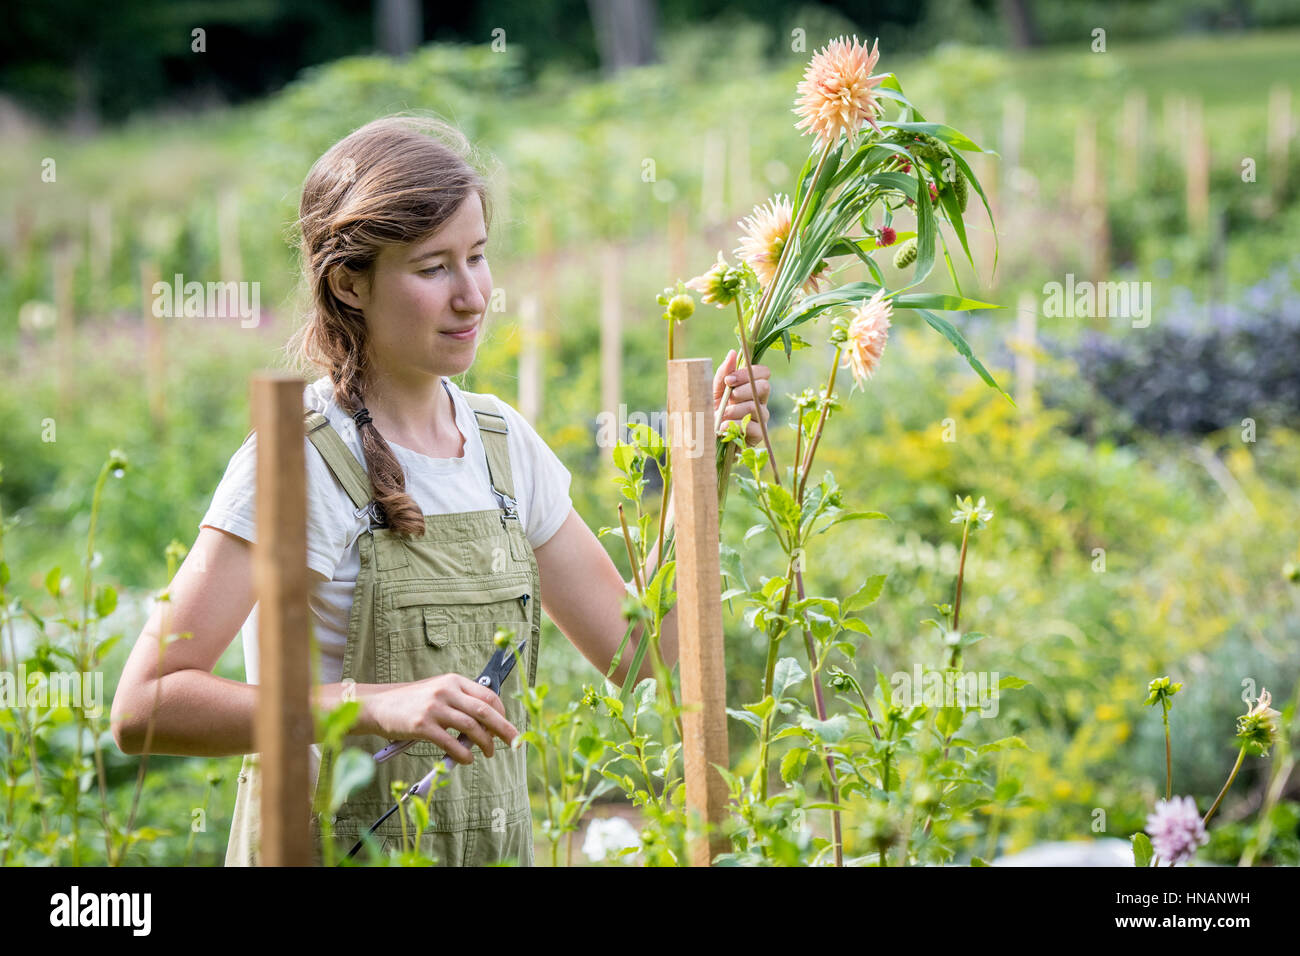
x,y
741,402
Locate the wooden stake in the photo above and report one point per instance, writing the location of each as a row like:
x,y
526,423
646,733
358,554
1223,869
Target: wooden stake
x,y
1132,122
713,177
1013,133
1198,173
678,231
699,604
1085,161
156,344
100,244
1279,139
611,330
65,329
741,185
1026,342
284,723
230,260
530,359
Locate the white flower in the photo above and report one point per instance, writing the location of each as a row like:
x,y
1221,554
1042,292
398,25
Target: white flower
x,y
606,835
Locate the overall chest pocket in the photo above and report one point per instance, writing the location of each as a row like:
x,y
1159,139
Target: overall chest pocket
x,y
430,631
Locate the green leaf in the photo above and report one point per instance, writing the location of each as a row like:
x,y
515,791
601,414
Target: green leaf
x,y
763,707
1005,743
105,601
645,696
949,135
786,675
866,595
948,720
783,504
939,300
949,332
4,574
1012,682
52,581
624,455
746,717
977,861
755,530
792,763
106,645
352,770
831,730
1143,851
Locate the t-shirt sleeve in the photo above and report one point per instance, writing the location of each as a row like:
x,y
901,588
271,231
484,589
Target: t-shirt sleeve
x,y
542,486
233,506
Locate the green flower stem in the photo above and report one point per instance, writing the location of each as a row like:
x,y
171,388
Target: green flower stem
x,y
631,554
1169,753
1241,755
753,388
956,604
821,422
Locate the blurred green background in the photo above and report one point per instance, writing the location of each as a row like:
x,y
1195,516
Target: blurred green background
x,y
1142,527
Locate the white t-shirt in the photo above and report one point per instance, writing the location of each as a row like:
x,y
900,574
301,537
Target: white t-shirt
x,y
438,485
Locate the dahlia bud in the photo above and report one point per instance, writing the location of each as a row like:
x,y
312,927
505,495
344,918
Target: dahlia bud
x,y
961,189
905,255
680,308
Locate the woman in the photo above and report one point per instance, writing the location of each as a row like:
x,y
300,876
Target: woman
x,y
458,523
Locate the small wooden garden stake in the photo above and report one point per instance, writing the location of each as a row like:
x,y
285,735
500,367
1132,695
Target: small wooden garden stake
x,y
611,329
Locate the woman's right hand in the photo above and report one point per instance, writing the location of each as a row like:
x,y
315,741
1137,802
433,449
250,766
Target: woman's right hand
x,y
439,708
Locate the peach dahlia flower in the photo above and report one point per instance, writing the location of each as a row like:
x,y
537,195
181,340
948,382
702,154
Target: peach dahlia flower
x,y
837,93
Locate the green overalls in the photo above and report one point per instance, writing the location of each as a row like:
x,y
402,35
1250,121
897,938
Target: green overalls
x,y
422,607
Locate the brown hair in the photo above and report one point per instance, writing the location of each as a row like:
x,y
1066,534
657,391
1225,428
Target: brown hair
x,y
395,180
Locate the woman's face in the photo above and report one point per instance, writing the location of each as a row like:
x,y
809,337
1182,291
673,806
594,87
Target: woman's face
x,y
423,292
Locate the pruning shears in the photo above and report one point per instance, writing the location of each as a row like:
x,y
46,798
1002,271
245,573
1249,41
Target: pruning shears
x,y
498,668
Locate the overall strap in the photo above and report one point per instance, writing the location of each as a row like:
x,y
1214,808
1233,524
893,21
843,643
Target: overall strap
x,y
494,430
340,460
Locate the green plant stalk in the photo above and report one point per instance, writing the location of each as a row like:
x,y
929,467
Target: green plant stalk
x,y
189,844
1169,753
640,756
956,604
753,388
775,633
1241,756
1263,834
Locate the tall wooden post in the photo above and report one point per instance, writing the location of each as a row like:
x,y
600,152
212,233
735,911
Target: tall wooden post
x,y
530,359
230,258
699,605
65,329
1198,173
713,177
1026,343
284,722
156,344
1279,140
678,231
1131,138
611,329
